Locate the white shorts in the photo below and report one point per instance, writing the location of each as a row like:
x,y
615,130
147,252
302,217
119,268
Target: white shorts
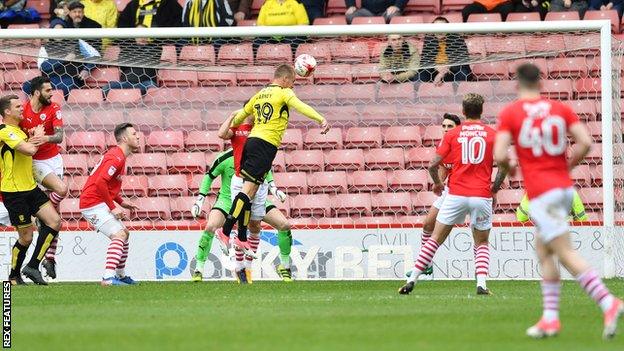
x,y
455,208
4,216
102,219
550,212
440,200
41,168
258,206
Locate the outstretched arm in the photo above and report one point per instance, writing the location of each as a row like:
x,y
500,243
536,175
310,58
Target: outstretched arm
x,y
309,112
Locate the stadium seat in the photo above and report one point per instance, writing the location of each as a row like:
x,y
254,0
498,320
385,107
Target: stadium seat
x,y
236,54
197,55
303,222
344,116
521,16
164,141
423,200
504,218
419,157
271,54
237,95
221,76
315,140
431,6
562,16
330,21
70,209
379,115
134,186
351,204
396,93
279,163
433,91
389,158
595,173
203,140
485,17
124,97
356,93
394,203
75,164
75,185
554,43
408,180
485,89
505,45
432,135
611,15
592,198
402,136
87,142
327,182
349,52
41,6
101,76
292,140
15,78
371,222
595,130
476,47
147,163
103,120
305,161
111,53
368,181
180,207
146,120
74,121
167,185
318,205
186,162
365,73
10,61
318,94
516,181
169,55
332,222
567,67
162,96
320,51
581,176
291,182
344,160
560,89
508,199
91,97
363,137
184,119
407,19
587,88
582,45
369,20
152,208
177,78
333,74
491,70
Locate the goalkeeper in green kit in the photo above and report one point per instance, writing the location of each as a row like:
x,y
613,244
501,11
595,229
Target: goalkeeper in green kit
x,y
223,166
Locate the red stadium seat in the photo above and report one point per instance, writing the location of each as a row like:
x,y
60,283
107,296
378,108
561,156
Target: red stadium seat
x,y
327,182
85,97
567,67
333,74
562,16
407,19
111,53
341,115
292,182
363,137
124,97
432,6
419,157
423,200
541,63
152,163
169,55
315,140
305,160
560,89
304,222
588,88
546,43
509,199
522,16
379,114
279,163
365,73
432,91
485,89
592,198
485,17
408,180
271,54
335,221
399,93
586,109
184,119
146,120
581,176
351,204
222,76
203,140
167,185
330,21
385,159
491,70
10,61
75,164
349,52
76,184
152,208
618,176
87,142
180,207
581,45
197,54
368,181
134,186
41,6
595,130
476,47
505,45
369,20
391,203
186,162
70,209
402,136
165,141
432,135
177,78
292,140
104,120
356,93
74,120
344,160
611,15
101,76
236,54
320,51
318,205
318,94
15,78
162,96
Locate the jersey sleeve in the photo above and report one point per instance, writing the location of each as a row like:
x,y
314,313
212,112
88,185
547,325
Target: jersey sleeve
x,y
9,137
246,111
445,146
504,124
293,101
109,168
570,116
57,119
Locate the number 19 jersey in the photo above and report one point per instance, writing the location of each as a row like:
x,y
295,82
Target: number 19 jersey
x,y
270,110
469,147
538,128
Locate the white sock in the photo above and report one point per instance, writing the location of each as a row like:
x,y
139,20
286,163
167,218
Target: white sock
x,y
109,273
550,315
481,281
606,303
121,272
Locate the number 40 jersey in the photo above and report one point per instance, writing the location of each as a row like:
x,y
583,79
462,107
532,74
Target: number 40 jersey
x,y
538,128
469,147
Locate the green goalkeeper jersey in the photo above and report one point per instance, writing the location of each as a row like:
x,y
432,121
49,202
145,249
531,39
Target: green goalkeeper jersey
x,y
223,166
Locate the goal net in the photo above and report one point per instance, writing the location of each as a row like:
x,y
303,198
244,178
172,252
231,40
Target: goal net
x,y
379,86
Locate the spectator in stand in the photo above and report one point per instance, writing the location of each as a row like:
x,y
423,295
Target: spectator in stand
x,y
398,61
137,77
58,9
241,9
103,12
603,5
443,55
76,19
151,13
504,7
281,13
540,6
569,5
15,12
206,13
370,8
314,9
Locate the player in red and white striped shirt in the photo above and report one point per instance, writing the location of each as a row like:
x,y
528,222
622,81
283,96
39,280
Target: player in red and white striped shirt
x,y
98,198
539,127
468,148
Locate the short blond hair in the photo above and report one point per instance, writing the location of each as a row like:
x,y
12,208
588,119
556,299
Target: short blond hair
x,y
284,71
472,105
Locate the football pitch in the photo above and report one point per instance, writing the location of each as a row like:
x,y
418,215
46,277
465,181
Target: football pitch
x,y
305,315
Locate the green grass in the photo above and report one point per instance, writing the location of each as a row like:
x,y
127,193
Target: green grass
x,y
275,316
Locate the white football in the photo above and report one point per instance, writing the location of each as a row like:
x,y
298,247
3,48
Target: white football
x,y
305,65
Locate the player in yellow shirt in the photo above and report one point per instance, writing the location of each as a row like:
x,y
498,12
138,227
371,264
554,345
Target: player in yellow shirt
x,y
270,108
22,197
282,13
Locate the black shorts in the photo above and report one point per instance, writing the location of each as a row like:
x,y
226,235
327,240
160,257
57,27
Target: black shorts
x,y
23,205
257,160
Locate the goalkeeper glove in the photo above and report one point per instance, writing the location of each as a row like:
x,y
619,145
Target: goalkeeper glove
x,y
276,192
197,206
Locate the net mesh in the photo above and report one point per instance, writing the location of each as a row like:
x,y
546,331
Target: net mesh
x,y
384,102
